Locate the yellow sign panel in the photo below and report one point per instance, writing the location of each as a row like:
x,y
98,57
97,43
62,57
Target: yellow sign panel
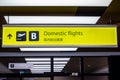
x,y
59,36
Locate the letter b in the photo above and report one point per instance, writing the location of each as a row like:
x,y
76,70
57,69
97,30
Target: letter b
x,y
33,36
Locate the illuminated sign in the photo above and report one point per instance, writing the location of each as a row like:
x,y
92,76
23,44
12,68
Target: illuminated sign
x,y
20,66
59,36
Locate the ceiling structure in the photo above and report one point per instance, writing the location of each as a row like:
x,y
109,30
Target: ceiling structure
x,y
66,65
109,15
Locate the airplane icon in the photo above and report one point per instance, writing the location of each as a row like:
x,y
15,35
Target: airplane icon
x,y
21,36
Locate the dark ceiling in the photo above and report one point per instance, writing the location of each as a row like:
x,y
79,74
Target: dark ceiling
x,y
111,14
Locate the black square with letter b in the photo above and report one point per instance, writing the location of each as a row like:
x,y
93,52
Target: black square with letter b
x,y
34,36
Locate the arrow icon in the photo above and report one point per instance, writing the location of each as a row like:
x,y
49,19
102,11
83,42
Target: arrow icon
x,y
9,35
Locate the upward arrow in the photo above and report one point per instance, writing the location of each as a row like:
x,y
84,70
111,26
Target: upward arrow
x,y
9,35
